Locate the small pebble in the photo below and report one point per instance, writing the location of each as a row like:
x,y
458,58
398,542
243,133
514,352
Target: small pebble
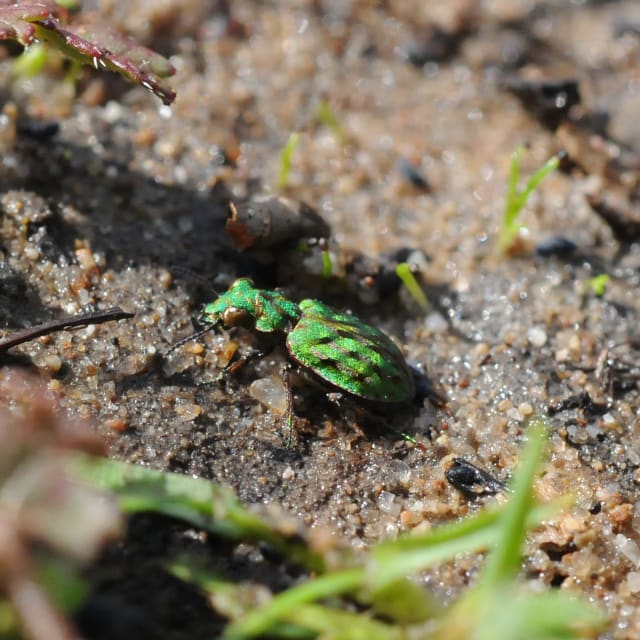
x,y
85,259
31,252
628,548
53,363
411,174
633,581
558,246
117,424
165,279
525,409
435,323
188,411
401,470
270,392
537,337
288,474
195,348
387,503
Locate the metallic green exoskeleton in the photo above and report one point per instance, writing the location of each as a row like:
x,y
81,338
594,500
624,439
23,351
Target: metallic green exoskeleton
x,y
344,352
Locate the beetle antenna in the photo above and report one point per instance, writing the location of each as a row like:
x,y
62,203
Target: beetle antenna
x,y
193,336
202,283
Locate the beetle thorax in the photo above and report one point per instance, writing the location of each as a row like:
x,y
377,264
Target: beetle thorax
x,y
260,309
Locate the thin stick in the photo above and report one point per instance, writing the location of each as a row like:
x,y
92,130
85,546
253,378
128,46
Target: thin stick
x,y
63,324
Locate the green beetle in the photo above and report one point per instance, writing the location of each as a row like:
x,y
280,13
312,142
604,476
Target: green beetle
x,y
339,349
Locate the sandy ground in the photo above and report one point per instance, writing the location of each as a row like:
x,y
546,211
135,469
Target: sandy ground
x,y
127,204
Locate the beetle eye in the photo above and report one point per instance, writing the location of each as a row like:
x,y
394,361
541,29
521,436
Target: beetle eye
x,y
234,317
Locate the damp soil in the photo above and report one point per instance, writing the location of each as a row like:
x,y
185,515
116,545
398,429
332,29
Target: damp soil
x,y
126,205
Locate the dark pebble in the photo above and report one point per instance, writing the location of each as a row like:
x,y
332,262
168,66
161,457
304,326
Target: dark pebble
x,y
558,246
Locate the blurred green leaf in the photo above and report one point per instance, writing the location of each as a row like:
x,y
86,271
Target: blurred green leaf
x,y
286,160
328,118
503,563
31,61
391,607
60,578
202,503
259,620
402,601
598,284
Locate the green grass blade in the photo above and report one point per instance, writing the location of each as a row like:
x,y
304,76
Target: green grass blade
x,y
552,614
32,60
403,271
327,265
286,160
511,210
504,561
259,620
329,119
498,607
69,4
334,624
395,559
598,284
197,501
516,200
548,167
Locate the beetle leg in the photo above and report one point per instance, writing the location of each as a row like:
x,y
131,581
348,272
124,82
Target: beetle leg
x,y
285,372
236,364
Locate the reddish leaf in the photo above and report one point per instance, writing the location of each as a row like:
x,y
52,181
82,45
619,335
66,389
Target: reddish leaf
x,y
16,18
89,44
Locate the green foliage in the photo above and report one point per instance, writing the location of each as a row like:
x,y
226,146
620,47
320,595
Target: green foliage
x,y
329,119
199,502
286,160
390,605
516,199
61,580
403,271
598,284
327,264
31,62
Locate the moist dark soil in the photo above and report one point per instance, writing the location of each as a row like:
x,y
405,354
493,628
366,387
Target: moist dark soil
x,y
126,205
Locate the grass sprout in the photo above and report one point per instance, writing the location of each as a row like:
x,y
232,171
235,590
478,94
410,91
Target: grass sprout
x,y
516,198
598,284
31,61
403,271
286,160
327,264
328,118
